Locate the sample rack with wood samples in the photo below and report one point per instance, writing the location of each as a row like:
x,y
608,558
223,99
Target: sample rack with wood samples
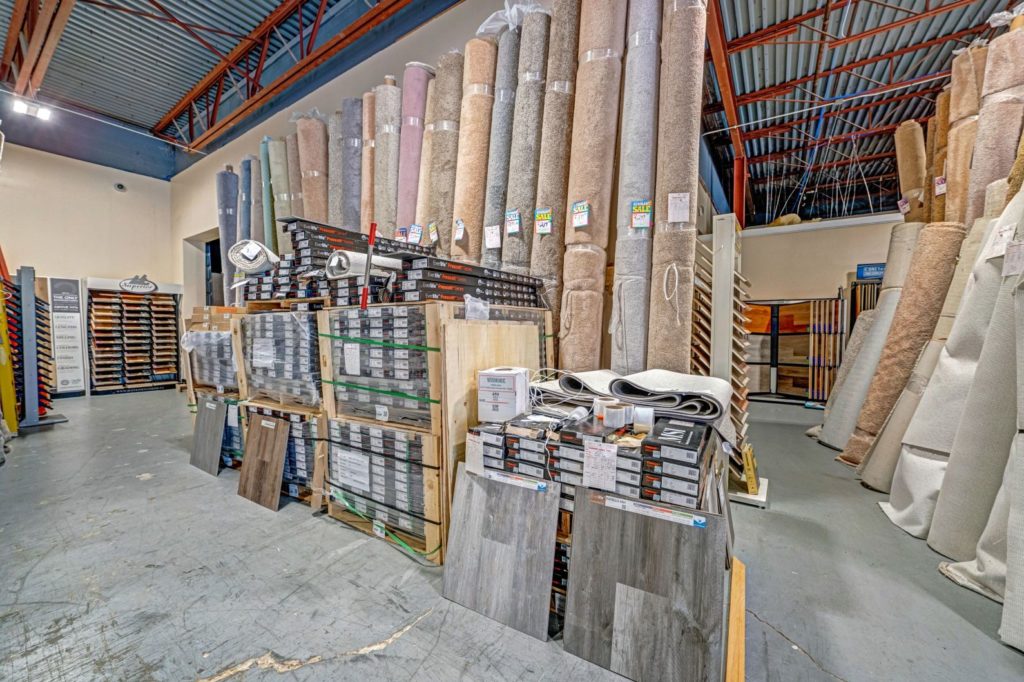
x,y
133,335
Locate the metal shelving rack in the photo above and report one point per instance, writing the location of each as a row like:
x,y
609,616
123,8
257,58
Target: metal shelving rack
x,y
31,419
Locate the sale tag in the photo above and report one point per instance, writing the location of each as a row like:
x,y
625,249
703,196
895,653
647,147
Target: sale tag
x,y
940,186
580,214
512,221
542,220
640,215
415,234
432,229
460,229
492,237
904,206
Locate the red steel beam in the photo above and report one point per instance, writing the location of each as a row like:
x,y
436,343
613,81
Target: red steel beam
x,y
35,45
200,39
161,18
18,15
60,21
828,141
770,33
900,23
839,183
720,61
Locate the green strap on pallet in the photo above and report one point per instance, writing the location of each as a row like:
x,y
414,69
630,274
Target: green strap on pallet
x,y
394,394
385,344
397,540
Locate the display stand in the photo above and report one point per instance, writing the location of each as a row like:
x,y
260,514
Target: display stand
x,y
728,318
35,389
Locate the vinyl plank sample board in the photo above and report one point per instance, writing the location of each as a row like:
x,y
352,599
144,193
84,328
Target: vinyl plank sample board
x,y
501,546
211,417
647,588
266,442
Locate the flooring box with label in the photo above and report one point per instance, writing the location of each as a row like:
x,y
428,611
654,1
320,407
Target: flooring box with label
x,y
279,354
209,351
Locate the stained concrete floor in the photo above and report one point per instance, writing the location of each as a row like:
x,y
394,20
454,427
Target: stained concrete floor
x,y
118,561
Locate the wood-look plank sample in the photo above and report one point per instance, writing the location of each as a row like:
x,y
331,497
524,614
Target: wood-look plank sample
x,y
500,556
208,436
266,442
646,595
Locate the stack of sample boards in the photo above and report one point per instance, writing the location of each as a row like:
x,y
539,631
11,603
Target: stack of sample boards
x,y
300,451
437,279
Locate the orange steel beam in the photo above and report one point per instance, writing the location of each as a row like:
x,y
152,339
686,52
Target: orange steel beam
x,y
60,21
35,46
18,15
720,61
786,27
900,23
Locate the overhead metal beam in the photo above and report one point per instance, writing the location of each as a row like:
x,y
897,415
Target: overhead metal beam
x,y
828,141
53,36
900,23
35,45
18,16
162,18
195,34
720,61
782,28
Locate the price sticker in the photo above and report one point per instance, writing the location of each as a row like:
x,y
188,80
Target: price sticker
x,y
580,214
513,222
542,220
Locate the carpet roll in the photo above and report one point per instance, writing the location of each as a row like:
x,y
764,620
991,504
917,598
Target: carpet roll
x,y
387,136
227,225
244,200
546,252
1011,629
842,419
928,277
351,166
256,201
524,154
634,198
445,150
502,113
366,171
474,138
583,301
958,166
334,145
675,209
415,80
929,181
860,332
912,161
938,207
280,186
269,231
291,143
313,164
423,191
1016,177
968,81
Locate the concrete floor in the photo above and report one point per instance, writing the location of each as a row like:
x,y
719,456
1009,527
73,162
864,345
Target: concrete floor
x,y
118,561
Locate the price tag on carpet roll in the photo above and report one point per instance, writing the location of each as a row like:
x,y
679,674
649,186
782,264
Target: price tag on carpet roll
x,y
679,207
940,186
1001,236
599,465
1013,263
460,229
492,237
512,221
432,230
640,215
580,214
402,234
415,234
904,206
542,220
352,359
250,250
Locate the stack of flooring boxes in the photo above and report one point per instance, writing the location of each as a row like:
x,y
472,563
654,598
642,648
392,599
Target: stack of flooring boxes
x,y
399,389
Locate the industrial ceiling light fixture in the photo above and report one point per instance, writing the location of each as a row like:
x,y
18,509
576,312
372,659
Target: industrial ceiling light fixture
x,y
20,106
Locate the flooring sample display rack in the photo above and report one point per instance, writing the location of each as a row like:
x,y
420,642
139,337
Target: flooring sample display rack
x,y
133,335
32,346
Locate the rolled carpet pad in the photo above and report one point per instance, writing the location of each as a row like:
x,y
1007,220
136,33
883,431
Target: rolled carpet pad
x,y
334,145
924,291
367,162
502,113
582,308
291,143
244,202
860,332
938,207
524,152
423,192
675,197
256,201
474,139
1011,629
841,420
351,167
313,164
635,194
961,277
227,224
879,464
415,80
912,160
269,231
387,131
280,186
553,168
444,153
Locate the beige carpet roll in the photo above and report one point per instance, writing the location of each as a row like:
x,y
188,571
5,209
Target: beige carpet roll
x,y
968,82
474,139
938,208
312,134
912,161
387,150
958,166
929,181
861,329
444,151
294,175
366,173
931,269
548,245
675,196
1016,178
423,191
583,301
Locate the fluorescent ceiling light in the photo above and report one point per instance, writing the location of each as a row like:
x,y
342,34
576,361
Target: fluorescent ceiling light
x,y
20,107
43,114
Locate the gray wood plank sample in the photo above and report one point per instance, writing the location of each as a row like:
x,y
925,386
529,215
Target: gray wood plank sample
x,y
266,442
208,435
501,550
646,595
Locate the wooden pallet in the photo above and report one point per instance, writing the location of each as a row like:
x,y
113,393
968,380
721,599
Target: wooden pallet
x,y
429,549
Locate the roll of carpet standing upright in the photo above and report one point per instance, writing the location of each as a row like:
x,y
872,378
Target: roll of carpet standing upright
x,y
269,231
351,166
313,164
938,208
227,224
444,152
368,162
968,79
277,151
291,143
415,81
244,200
426,152
912,160
256,200
388,130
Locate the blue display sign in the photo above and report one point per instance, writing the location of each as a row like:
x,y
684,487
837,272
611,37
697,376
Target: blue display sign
x,y
870,270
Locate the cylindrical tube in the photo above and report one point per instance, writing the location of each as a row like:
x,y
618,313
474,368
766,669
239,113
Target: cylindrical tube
x,y
368,162
414,109
385,165
313,164
445,150
269,232
291,143
426,151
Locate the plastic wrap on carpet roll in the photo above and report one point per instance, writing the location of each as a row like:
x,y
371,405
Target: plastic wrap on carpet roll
x,y
524,156
927,281
474,138
423,191
635,194
553,168
842,419
444,153
351,166
280,186
227,224
291,143
912,160
367,166
582,303
256,201
388,130
244,200
675,196
505,80
313,164
269,231
415,80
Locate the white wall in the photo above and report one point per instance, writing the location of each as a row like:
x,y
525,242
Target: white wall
x,y
64,217
193,193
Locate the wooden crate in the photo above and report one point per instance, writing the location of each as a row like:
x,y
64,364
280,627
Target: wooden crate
x,y
238,347
280,305
429,549
207,319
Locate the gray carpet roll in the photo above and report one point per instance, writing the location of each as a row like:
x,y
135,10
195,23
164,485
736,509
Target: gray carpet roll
x,y
269,231
1011,629
444,153
505,80
280,186
553,169
423,193
525,151
366,171
860,332
474,140
351,165
387,131
634,199
244,200
415,82
312,134
256,201
334,146
582,304
227,225
675,197
291,143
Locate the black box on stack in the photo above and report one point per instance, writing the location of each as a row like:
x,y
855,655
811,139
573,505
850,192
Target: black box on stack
x,y
437,279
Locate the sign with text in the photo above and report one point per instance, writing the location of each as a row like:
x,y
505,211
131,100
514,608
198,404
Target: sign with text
x,y
66,320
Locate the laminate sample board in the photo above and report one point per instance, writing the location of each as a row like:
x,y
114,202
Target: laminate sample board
x,y
501,544
208,437
266,442
646,593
